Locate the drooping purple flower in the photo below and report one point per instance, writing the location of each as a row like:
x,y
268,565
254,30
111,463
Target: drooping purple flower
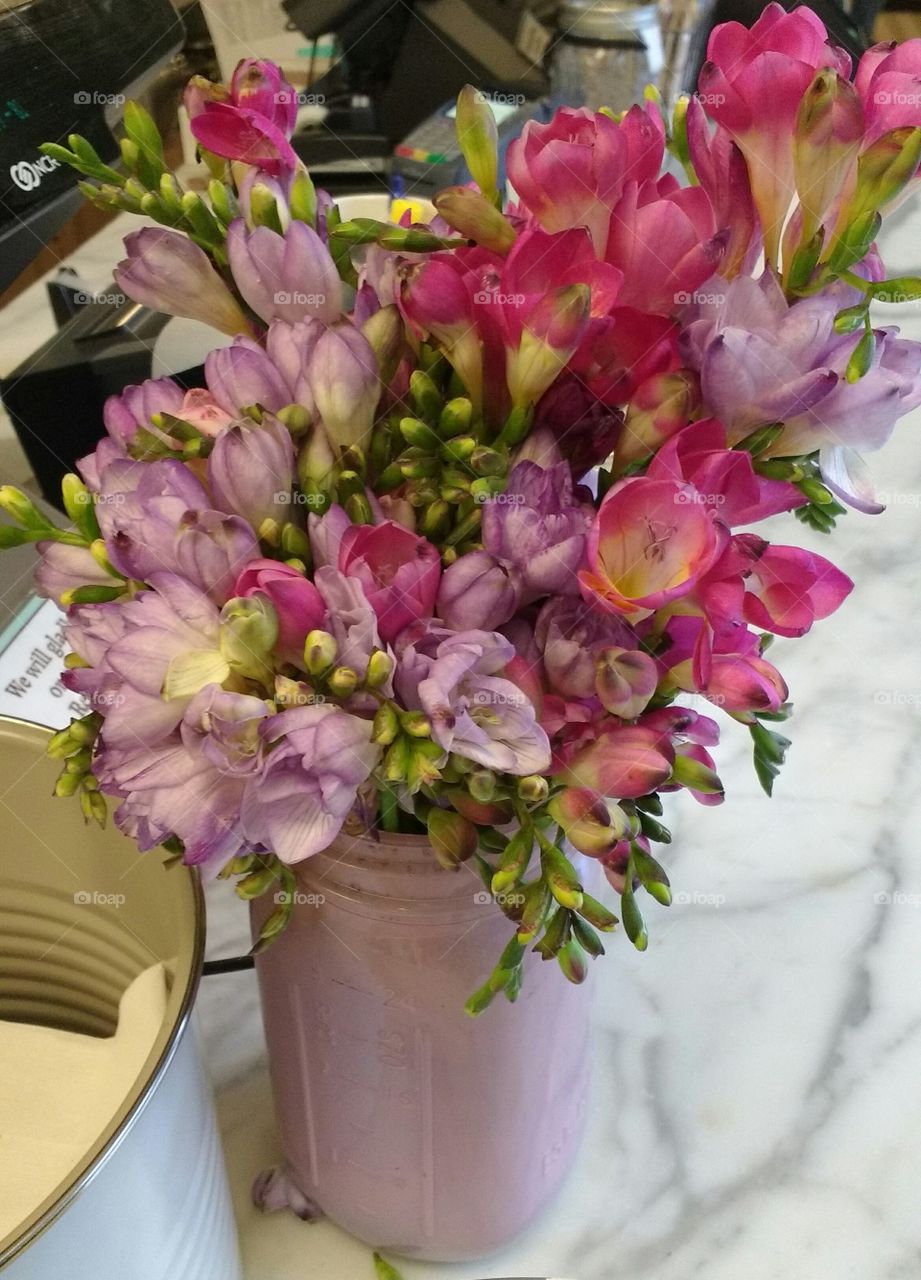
x,y
764,360
62,568
284,277
242,375
251,471
318,758
165,271
476,712
155,517
477,591
538,527
570,634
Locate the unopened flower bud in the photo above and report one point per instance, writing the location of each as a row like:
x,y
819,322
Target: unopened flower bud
x,y
452,837
386,725
482,784
533,789
21,509
553,331
590,824
343,681
625,680
319,652
478,138
380,665
416,724
67,785
249,629
475,217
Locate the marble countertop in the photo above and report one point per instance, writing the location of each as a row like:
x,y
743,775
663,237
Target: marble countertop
x,y
758,1070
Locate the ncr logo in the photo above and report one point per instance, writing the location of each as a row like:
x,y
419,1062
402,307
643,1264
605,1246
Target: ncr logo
x,y
28,174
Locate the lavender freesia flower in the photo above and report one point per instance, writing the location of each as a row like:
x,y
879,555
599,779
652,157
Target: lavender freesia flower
x,y
242,375
284,277
538,527
251,471
167,272
62,568
318,758
569,634
156,517
764,360
135,406
346,384
476,712
351,620
477,591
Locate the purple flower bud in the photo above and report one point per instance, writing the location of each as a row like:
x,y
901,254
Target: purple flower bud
x,y
135,406
167,272
241,375
477,592
290,347
251,470
287,277
346,385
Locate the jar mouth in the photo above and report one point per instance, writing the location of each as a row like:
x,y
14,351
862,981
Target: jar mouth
x,y
397,867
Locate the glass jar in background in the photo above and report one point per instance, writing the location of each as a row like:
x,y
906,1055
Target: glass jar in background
x,y
605,54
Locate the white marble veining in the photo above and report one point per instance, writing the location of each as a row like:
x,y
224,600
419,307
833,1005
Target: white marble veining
x,y
758,1070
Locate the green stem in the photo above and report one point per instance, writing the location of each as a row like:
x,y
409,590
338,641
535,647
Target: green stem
x,y
389,810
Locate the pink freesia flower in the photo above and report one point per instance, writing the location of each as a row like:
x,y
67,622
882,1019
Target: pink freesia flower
x,y
723,174
298,604
724,478
887,80
398,572
650,543
752,84
252,122
569,171
789,588
665,240
622,763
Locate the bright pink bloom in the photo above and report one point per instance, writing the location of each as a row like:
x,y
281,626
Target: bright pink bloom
x,y
789,588
887,79
650,543
722,173
665,240
752,83
723,478
398,572
252,123
569,172
297,602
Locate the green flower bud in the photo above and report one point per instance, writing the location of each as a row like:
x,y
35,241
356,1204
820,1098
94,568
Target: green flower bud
x,y
416,724
380,665
533,789
343,681
320,651
386,725
249,629
481,784
453,838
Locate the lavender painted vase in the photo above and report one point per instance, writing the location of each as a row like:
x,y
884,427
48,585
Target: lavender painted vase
x,y
420,1130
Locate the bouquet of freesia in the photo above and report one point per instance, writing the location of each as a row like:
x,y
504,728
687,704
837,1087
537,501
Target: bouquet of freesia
x,y
457,538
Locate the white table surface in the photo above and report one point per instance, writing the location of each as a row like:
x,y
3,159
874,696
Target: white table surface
x,y
758,1071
